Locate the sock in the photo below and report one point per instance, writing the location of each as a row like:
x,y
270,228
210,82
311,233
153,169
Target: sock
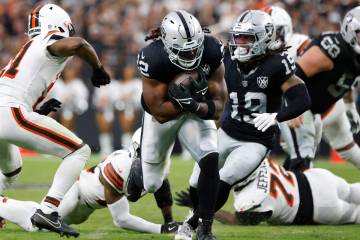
x,y
18,212
65,177
352,155
223,195
208,185
194,197
105,144
164,200
126,140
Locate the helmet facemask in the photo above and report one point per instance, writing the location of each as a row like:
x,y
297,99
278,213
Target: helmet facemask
x,y
187,57
241,46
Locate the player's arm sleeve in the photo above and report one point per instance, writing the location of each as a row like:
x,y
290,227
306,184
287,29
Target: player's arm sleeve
x,y
122,218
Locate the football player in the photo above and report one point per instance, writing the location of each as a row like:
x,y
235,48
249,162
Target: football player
x,y
258,72
282,197
180,45
103,185
24,83
329,66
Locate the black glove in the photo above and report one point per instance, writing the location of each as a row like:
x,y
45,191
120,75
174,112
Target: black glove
x,y
200,85
100,77
170,227
183,199
49,106
181,97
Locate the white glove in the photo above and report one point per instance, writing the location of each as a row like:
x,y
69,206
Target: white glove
x,y
263,121
353,117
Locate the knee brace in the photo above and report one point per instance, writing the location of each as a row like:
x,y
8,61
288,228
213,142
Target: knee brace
x,y
209,164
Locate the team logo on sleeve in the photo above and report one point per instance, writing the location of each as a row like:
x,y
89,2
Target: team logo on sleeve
x,y
262,81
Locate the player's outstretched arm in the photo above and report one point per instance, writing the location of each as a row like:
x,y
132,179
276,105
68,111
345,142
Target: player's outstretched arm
x,y
72,46
213,108
120,212
156,99
313,62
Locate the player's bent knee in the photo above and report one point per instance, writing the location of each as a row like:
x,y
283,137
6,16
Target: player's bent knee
x,y
152,186
82,153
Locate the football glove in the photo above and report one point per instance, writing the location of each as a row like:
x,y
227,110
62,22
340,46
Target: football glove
x,y
183,199
200,85
170,227
353,116
49,106
100,77
181,97
263,121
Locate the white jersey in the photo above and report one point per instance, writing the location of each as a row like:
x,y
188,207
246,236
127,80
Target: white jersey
x,y
73,95
28,77
274,189
297,43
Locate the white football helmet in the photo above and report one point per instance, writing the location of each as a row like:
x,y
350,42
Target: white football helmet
x,y
258,29
183,39
49,17
350,28
282,22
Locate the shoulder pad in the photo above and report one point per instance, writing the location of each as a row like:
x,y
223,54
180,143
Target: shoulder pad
x,y
150,60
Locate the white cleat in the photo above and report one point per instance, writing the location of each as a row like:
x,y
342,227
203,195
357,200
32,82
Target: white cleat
x,y
184,232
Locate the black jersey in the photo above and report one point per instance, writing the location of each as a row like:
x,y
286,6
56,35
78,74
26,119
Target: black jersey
x,y
327,87
153,61
258,91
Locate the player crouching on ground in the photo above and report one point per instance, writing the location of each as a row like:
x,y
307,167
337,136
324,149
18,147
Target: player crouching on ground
x,y
282,197
103,185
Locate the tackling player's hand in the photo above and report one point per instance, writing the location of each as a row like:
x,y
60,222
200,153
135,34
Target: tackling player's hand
x,y
49,106
353,116
263,121
183,199
171,227
100,77
200,85
181,97
296,122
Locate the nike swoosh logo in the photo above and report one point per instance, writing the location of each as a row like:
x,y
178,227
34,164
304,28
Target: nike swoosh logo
x,y
172,228
53,224
187,102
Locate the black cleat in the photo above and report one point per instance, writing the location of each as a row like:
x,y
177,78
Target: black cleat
x,y
134,186
53,223
203,231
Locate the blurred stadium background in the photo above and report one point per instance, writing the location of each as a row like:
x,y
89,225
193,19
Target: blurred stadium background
x,y
116,28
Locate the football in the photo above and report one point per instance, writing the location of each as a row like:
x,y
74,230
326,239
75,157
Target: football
x,y
185,78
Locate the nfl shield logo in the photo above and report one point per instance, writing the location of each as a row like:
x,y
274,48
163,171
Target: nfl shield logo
x,y
262,81
244,83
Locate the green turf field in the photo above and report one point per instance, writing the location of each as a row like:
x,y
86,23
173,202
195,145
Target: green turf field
x,y
37,175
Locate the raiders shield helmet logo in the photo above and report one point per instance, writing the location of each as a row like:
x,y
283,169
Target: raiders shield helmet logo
x,y
262,81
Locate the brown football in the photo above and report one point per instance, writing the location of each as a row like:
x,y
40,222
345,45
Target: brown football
x,y
185,78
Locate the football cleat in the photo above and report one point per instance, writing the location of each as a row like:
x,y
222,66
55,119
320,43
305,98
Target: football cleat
x,y
203,231
53,223
184,232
